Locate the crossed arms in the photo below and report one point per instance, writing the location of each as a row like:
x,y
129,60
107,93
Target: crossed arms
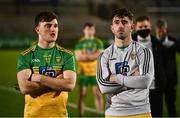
x,y
140,78
80,56
39,83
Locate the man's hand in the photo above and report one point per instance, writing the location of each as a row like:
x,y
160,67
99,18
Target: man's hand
x,y
135,72
113,77
36,77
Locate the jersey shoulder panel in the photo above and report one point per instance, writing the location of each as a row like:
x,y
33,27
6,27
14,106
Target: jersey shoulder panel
x,y
98,40
63,49
138,46
108,52
82,38
140,49
25,52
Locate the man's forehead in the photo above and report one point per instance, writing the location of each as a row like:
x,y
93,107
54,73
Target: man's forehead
x,y
87,27
160,27
121,18
54,21
144,22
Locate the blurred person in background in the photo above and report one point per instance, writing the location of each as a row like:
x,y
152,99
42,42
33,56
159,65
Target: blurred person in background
x,y
87,50
143,36
170,47
46,71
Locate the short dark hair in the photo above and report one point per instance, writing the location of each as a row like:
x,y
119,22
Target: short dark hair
x,y
122,12
161,23
142,18
88,24
45,16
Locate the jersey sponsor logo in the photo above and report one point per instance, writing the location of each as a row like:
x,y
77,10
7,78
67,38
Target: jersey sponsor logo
x,y
89,50
122,68
58,59
47,70
35,60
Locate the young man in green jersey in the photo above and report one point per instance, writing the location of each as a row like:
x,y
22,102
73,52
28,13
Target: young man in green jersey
x,y
86,51
46,71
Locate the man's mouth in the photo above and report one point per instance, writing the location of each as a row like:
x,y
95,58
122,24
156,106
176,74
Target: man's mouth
x,y
53,34
121,31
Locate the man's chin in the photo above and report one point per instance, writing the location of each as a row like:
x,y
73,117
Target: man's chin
x,y
52,40
121,37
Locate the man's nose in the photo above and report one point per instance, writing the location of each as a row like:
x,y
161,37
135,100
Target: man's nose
x,y
144,27
121,25
52,28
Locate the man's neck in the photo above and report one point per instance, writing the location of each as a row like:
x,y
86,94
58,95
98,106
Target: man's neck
x,y
162,38
44,44
123,43
88,37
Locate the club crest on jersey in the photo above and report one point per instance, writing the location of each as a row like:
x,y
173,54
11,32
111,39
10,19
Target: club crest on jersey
x,y
58,59
133,55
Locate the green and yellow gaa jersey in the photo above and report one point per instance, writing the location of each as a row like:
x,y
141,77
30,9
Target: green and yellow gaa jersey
x,y
88,46
51,62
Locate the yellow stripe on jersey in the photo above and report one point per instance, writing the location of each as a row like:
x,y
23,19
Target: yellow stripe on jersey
x,y
36,69
57,67
32,48
63,49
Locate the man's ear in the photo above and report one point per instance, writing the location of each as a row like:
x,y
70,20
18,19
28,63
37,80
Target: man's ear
x,y
111,27
133,27
37,29
150,25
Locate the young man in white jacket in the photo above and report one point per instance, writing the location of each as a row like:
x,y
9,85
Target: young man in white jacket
x,y
125,71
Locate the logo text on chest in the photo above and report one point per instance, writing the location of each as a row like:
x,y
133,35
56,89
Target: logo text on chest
x,y
35,60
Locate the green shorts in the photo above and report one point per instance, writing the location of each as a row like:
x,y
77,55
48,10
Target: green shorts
x,y
85,80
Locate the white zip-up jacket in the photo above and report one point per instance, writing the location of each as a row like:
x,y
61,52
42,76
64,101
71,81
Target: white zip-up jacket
x,y
129,95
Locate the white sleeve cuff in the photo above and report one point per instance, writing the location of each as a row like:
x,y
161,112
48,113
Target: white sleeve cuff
x,y
120,79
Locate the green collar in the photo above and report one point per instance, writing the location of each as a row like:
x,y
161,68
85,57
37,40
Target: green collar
x,y
123,47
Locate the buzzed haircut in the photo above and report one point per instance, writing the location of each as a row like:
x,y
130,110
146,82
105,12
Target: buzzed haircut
x,y
88,24
45,16
122,12
161,23
142,18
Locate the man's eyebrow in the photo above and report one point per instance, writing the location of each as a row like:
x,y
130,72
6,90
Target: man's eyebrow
x,y
51,24
124,20
116,20
48,24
